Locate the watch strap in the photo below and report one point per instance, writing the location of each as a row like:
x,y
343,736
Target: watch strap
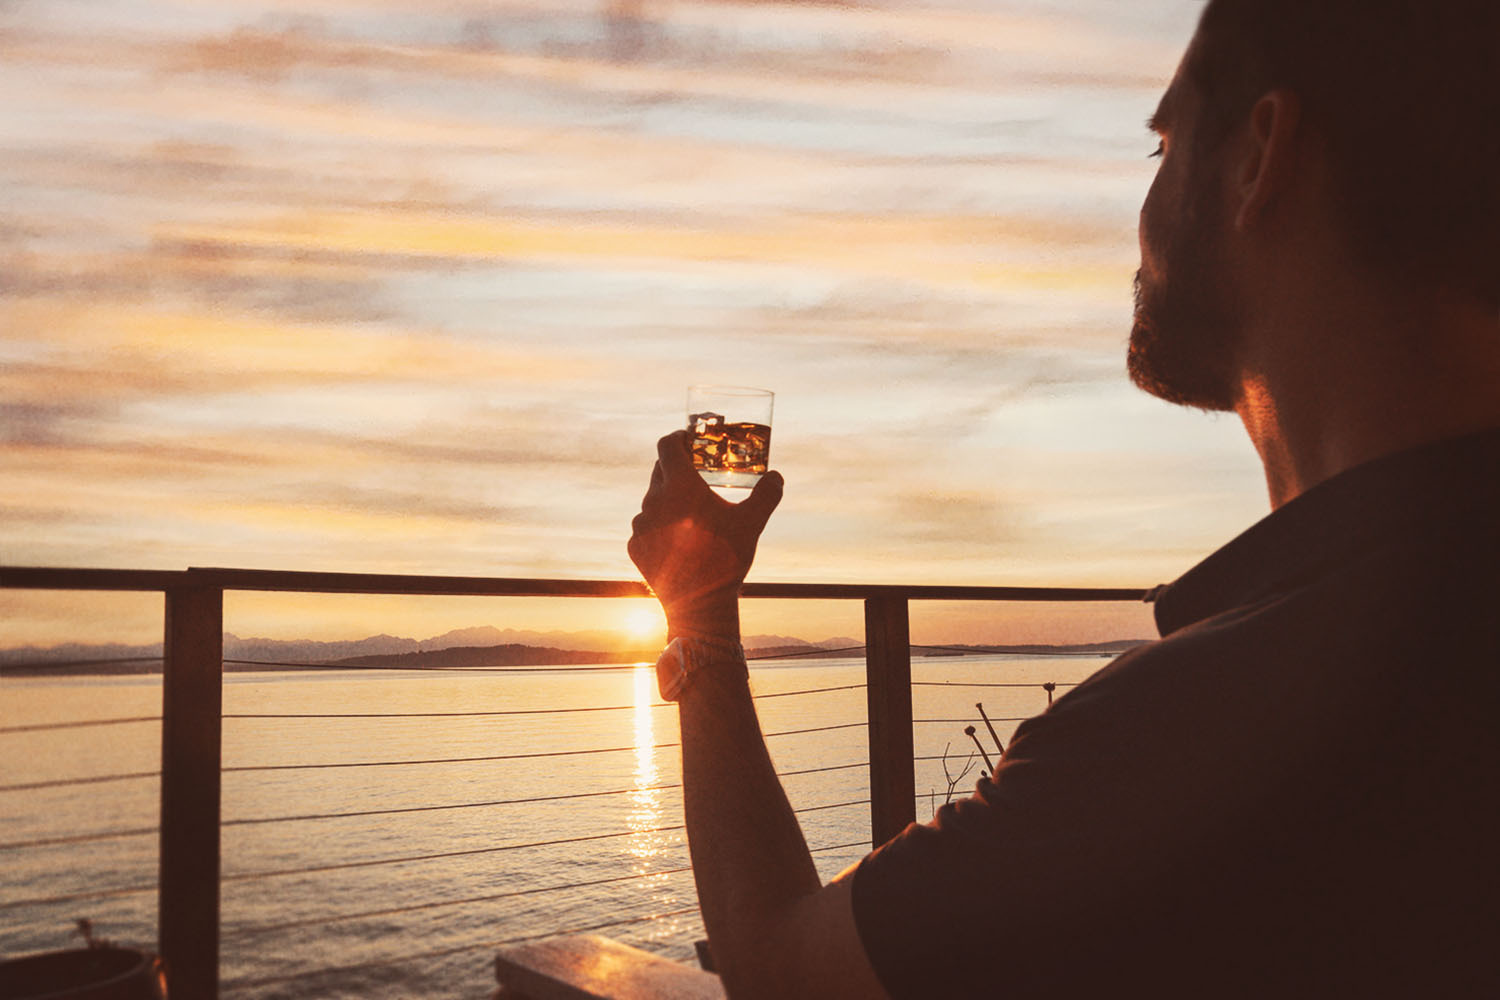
x,y
686,655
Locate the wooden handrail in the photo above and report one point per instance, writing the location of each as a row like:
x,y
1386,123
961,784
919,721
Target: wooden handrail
x,y
299,581
61,578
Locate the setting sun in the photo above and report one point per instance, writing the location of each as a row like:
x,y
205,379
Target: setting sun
x,y
644,621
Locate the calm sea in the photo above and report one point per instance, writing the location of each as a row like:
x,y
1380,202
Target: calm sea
x,y
385,830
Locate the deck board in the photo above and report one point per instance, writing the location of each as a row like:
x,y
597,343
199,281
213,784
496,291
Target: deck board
x,y
590,967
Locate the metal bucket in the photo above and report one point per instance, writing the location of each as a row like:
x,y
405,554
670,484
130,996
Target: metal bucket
x,y
84,974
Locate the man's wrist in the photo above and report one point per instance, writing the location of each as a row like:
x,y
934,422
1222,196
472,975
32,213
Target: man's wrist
x,y
721,626
685,657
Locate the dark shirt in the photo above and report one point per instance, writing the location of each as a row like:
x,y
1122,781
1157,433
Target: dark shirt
x,y
1293,793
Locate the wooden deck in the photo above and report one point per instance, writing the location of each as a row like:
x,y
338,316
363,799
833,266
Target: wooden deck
x,y
589,967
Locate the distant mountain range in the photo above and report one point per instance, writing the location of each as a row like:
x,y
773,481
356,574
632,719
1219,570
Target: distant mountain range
x,y
468,647
459,647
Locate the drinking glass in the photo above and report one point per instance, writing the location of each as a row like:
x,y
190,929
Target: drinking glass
x,y
731,429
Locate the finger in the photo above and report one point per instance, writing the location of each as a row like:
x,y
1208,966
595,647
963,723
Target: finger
x,y
675,456
639,552
763,500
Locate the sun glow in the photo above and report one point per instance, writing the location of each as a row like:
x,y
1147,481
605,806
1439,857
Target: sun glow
x,y
644,622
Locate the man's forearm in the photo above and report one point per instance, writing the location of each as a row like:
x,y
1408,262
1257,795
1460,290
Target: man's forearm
x,y
750,859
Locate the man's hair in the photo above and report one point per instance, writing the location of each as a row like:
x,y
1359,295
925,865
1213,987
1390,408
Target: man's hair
x,y
1406,96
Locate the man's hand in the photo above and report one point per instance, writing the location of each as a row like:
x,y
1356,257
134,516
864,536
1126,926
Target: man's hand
x,y
693,547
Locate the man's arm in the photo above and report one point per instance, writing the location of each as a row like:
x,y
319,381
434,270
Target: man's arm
x,y
774,931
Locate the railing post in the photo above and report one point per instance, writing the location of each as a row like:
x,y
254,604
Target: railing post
x,y
191,728
893,791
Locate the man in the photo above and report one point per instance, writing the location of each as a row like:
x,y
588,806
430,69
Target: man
x,y
1294,791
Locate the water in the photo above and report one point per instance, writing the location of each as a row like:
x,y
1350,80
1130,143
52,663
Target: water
x,y
452,862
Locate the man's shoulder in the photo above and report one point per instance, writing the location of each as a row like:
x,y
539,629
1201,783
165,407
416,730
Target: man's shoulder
x,y
1427,583
1377,536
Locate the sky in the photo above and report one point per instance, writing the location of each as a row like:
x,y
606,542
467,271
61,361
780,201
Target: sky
x,y
366,285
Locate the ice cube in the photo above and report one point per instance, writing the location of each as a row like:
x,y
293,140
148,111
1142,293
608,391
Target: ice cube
x,y
706,423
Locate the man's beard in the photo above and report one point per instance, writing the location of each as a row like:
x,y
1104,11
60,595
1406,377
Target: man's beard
x,y
1186,334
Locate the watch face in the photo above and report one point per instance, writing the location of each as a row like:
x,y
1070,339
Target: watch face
x,y
683,656
672,670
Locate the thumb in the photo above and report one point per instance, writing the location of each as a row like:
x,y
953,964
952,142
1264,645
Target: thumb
x,y
763,500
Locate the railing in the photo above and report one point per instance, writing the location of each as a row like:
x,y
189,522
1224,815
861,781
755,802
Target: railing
x,y
192,715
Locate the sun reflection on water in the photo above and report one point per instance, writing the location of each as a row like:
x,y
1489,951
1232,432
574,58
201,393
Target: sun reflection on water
x,y
650,848
645,816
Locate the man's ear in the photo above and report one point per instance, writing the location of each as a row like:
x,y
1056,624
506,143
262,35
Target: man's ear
x,y
1267,168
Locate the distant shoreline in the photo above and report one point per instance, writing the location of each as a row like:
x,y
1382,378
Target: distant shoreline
x,y
522,655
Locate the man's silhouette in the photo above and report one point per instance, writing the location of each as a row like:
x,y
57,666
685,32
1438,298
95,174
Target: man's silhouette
x,y
1294,792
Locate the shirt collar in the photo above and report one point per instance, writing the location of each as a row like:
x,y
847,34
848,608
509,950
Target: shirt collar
x,y
1359,509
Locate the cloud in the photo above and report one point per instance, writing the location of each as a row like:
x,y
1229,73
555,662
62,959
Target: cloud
x,y
945,521
943,254
418,289
40,423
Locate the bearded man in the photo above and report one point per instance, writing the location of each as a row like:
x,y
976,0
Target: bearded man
x,y
1293,793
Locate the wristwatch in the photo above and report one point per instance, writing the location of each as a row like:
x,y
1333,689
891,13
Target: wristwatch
x,y
685,655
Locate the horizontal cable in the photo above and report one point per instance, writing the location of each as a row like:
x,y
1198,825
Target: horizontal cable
x,y
525,669
862,844
42,667
637,664
429,715
79,838
445,760
103,661
832,805
517,668
536,890
788,694
818,729
140,775
84,723
124,890
80,724
375,862
506,802
144,831
459,805
32,786
819,770
120,834
130,890
61,782
953,757
996,718
505,712
339,866
515,756
1022,651
391,911
803,654
239,984
993,684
